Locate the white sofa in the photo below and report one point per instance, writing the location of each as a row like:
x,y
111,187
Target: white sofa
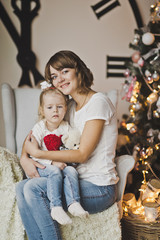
x,y
20,107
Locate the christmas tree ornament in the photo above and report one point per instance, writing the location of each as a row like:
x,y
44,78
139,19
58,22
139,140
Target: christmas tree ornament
x,y
129,125
133,129
133,99
156,114
128,87
137,147
136,39
132,113
132,108
136,56
152,98
149,79
140,62
155,76
127,73
153,134
135,91
155,86
138,106
147,73
143,153
148,38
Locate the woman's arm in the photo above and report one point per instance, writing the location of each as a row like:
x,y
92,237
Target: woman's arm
x,y
89,140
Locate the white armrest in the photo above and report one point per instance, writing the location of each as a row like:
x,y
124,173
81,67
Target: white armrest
x,y
8,106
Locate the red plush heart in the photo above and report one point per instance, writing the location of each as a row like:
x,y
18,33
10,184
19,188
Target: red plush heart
x,y
52,142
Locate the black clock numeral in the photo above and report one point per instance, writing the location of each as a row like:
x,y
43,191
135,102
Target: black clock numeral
x,y
26,58
136,13
116,65
106,9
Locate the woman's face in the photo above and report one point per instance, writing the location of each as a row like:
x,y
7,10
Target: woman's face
x,y
65,80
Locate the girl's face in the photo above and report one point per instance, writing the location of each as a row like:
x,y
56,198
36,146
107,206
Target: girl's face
x,y
65,80
54,108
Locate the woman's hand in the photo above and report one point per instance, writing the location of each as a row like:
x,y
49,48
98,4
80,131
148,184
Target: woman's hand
x,y
30,166
31,145
60,165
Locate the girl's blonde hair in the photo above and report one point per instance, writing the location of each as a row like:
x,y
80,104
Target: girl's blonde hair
x,y
45,92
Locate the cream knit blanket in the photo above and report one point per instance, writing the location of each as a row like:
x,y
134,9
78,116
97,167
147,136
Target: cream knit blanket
x,y
100,226
11,227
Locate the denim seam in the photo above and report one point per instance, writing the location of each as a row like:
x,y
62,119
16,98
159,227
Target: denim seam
x,y
97,196
73,197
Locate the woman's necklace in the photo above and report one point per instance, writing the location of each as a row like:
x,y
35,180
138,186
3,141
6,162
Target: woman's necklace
x,y
83,103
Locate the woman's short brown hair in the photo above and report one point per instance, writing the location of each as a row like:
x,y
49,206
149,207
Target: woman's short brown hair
x,y
68,59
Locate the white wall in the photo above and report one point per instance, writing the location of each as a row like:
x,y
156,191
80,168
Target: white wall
x,y
72,25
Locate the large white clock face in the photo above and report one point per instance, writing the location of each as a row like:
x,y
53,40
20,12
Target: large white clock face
x,y
73,25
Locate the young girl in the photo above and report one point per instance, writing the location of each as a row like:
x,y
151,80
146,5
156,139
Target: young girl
x,y
95,117
60,177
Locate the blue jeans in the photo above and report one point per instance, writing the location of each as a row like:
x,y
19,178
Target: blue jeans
x,y
34,207
61,181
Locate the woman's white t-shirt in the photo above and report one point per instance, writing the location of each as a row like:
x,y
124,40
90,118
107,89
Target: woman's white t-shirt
x,y
100,167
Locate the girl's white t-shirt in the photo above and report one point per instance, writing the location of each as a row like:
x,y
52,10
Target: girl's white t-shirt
x,y
100,167
40,130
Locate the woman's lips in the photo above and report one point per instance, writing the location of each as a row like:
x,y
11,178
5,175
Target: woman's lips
x,y
64,85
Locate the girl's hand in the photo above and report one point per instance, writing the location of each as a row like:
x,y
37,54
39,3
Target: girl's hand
x,y
31,145
30,166
60,165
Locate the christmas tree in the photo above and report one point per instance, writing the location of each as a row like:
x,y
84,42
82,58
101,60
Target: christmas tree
x,y
139,131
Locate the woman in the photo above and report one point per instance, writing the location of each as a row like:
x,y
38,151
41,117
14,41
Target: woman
x,y
94,115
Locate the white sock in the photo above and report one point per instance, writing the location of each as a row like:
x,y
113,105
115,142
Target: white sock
x,y
58,214
76,210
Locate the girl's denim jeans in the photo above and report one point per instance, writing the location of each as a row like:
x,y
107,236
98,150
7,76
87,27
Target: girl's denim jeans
x,y
61,181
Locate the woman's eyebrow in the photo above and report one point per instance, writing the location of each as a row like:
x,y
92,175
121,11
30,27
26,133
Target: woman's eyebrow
x,y
52,75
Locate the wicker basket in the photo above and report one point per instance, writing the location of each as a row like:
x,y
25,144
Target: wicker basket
x,y
133,229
